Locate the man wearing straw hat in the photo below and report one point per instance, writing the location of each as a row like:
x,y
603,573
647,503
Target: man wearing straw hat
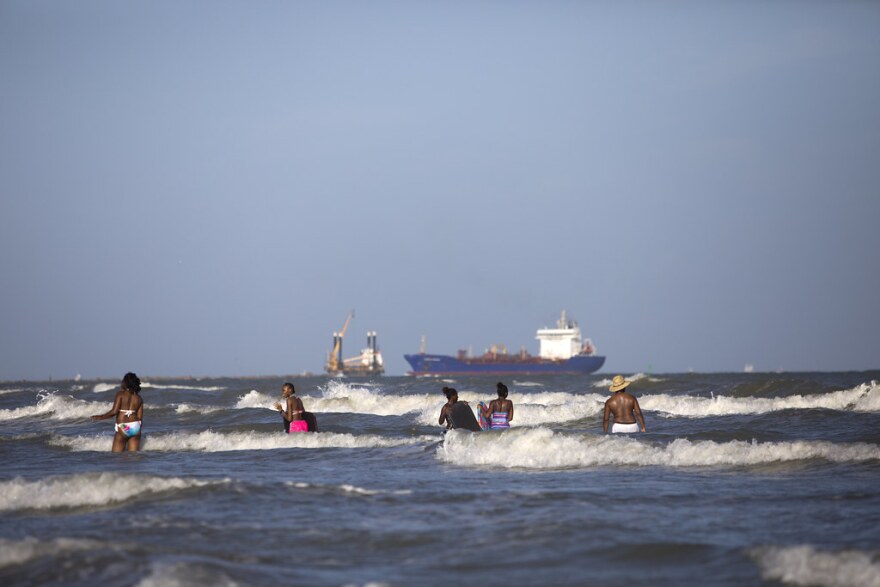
x,y
625,408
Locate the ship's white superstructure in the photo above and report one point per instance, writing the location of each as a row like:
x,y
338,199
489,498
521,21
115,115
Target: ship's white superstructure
x,y
564,341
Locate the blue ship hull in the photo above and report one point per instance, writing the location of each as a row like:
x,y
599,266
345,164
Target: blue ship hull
x,y
423,364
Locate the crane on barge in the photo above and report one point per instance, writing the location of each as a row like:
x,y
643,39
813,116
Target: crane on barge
x,y
369,362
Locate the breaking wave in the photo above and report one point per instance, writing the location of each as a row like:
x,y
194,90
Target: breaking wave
x,y
17,552
163,574
190,408
87,489
536,409
188,387
606,383
13,390
804,565
862,398
346,489
210,441
57,407
545,449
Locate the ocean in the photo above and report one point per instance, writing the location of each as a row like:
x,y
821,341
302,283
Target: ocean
x,y
741,479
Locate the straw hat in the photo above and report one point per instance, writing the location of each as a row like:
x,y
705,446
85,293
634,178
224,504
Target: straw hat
x,y
618,383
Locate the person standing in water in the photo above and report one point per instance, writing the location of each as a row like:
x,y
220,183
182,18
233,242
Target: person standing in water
x,y
446,410
128,407
624,407
293,411
499,412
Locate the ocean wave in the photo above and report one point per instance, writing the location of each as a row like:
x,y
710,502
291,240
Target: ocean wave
x,y
102,387
187,387
13,390
804,565
549,407
347,489
87,489
341,397
348,398
255,399
56,407
540,448
606,383
862,398
181,574
210,441
190,408
18,552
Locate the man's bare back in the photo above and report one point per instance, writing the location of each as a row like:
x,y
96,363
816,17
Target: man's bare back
x,y
625,409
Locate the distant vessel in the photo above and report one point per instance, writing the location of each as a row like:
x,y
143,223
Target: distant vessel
x,y
562,351
369,362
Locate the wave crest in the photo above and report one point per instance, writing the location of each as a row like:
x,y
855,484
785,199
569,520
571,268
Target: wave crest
x,y
804,565
17,552
210,441
541,448
57,407
88,489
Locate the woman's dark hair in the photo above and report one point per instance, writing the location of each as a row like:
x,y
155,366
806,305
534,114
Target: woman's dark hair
x,y
290,385
449,391
502,389
131,382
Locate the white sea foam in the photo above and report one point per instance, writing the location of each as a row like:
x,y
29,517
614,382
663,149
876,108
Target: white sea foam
x,y
56,407
536,409
862,398
190,387
804,565
102,387
190,408
348,489
87,489
342,397
13,390
540,448
606,383
210,441
183,575
17,552
527,384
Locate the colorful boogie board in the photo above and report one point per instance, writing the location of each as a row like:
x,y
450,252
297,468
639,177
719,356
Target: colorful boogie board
x,y
484,421
463,417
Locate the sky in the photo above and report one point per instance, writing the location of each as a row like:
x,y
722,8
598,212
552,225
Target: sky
x,y
208,188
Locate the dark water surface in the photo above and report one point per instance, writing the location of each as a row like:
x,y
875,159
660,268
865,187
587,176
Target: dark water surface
x,y
742,479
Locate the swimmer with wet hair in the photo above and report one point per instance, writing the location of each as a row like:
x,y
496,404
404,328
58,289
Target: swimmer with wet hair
x,y
128,407
499,412
445,412
293,411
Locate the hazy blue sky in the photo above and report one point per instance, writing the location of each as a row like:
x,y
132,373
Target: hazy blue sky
x,y
207,188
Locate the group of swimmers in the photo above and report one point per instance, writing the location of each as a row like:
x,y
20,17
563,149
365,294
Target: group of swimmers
x,y
622,407
128,407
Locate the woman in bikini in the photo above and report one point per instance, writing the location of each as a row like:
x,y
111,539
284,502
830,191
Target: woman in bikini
x,y
499,412
293,411
128,407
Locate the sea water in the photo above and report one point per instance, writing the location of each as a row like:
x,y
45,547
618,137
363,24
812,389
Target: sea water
x,y
741,479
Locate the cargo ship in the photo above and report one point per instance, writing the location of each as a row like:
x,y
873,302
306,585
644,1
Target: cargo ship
x,y
562,351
